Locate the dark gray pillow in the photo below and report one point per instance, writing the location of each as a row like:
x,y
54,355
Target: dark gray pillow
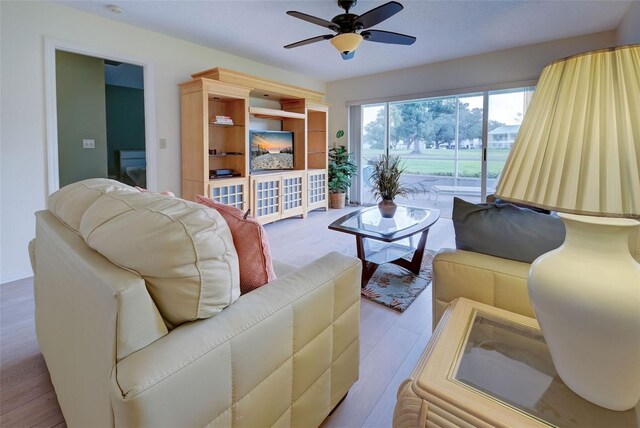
x,y
506,231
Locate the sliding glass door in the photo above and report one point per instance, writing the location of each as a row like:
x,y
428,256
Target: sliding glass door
x,y
374,144
442,142
506,111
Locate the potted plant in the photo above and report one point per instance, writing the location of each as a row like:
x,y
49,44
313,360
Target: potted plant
x,y
385,182
342,169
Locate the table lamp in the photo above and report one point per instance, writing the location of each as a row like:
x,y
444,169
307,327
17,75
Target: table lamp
x,y
578,153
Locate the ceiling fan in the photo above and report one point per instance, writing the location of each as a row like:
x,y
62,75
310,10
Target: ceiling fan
x,y
351,29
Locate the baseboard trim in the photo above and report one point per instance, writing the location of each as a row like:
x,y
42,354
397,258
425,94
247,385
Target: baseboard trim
x,y
5,279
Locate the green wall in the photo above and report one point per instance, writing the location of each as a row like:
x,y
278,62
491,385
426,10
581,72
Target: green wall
x,y
125,122
80,94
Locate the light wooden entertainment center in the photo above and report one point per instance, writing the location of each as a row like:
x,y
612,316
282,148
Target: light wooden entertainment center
x,y
207,145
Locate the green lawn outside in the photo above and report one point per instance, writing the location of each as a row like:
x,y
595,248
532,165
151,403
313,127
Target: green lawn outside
x,y
425,164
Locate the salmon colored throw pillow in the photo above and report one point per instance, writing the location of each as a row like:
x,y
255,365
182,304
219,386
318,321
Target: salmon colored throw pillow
x,y
252,246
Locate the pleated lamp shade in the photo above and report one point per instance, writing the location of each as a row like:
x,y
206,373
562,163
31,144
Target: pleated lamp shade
x,y
578,149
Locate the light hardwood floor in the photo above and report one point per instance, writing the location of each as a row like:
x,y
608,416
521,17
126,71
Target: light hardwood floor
x,y
390,342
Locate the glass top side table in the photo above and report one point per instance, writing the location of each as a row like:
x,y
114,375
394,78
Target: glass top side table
x,y
489,367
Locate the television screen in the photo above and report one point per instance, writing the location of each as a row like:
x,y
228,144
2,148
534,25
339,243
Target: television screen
x,y
271,150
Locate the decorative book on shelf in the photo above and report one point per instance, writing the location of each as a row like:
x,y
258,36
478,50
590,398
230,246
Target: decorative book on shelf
x,y
223,120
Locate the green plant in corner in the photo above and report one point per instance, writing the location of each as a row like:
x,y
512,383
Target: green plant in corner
x,y
342,169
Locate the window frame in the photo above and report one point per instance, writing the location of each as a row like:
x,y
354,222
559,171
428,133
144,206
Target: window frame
x,y
355,125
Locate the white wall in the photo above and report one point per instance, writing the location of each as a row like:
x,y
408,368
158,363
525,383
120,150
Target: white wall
x,y
23,165
629,28
511,65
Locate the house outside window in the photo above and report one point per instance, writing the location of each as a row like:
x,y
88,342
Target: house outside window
x,y
502,137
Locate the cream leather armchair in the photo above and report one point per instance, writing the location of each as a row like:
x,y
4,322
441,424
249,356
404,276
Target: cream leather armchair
x,y
487,279
282,355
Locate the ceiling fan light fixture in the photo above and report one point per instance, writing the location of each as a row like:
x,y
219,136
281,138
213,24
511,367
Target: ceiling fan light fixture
x,y
346,43
352,29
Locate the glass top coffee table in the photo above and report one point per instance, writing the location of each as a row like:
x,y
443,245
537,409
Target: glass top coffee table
x,y
388,240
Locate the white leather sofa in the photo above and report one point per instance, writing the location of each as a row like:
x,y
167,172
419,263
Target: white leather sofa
x,y
487,279
282,355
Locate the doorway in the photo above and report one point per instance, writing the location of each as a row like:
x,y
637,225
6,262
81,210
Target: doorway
x,y
100,110
100,116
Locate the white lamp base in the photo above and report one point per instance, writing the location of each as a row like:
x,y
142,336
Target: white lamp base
x,y
586,297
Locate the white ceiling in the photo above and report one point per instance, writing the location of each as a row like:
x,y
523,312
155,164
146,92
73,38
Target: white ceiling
x,y
445,29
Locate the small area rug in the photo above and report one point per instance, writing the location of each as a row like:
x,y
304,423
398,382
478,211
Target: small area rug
x,y
396,287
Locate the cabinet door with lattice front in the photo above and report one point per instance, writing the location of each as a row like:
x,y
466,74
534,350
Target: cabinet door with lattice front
x,y
230,191
266,194
293,194
316,189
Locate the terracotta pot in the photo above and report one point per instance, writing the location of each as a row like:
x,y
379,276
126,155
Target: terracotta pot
x,y
387,208
336,200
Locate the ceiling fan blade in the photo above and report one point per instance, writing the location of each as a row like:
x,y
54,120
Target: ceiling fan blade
x,y
309,41
312,19
380,36
379,14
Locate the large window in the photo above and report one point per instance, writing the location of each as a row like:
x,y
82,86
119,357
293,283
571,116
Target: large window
x,y
374,131
450,146
506,111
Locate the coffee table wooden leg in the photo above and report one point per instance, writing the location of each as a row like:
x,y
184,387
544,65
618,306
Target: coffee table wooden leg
x,y
416,261
368,268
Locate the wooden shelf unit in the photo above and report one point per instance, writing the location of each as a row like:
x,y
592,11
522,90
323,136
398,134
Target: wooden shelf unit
x,y
224,125
270,195
298,127
231,191
317,151
269,113
317,141
201,101
260,87
278,195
